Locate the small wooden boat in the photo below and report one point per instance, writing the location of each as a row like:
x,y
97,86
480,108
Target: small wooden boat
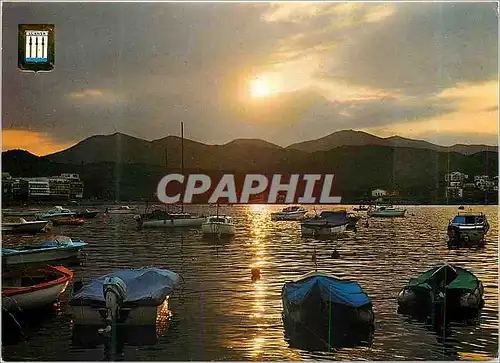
x,y
327,223
124,209
293,213
129,297
443,288
386,211
33,288
60,248
468,227
323,303
219,225
68,222
87,214
20,225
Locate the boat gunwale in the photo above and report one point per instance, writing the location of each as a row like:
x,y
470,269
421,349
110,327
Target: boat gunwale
x,y
66,273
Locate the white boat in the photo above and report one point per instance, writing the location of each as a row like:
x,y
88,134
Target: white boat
x,y
293,213
327,223
386,211
162,219
56,212
61,248
129,297
124,209
20,225
33,288
219,225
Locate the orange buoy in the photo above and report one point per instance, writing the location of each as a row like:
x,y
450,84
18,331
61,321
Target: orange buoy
x,y
255,274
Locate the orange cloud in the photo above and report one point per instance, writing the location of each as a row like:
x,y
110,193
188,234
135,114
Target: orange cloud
x,y
37,143
476,113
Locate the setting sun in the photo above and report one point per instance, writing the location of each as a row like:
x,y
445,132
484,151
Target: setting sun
x,y
260,88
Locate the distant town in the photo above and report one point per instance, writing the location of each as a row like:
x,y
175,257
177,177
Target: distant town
x,y
68,187
63,187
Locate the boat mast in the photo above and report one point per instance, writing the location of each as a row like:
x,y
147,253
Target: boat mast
x,y
182,161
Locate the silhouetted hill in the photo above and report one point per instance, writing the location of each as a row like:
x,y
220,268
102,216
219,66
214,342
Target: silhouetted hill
x,y
416,173
360,138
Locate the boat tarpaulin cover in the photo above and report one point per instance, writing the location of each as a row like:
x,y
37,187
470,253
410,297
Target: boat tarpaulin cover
x,y
331,289
45,245
453,277
145,286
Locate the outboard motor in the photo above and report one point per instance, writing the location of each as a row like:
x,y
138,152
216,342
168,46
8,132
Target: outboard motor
x,y
115,292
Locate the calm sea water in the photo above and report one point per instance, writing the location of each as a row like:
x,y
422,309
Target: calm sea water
x,y
219,314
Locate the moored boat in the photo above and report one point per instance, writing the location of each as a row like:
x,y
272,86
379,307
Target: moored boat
x,y
162,219
325,224
20,225
321,303
23,213
124,209
87,214
219,225
33,288
56,212
60,248
129,297
292,213
442,288
468,227
386,211
68,221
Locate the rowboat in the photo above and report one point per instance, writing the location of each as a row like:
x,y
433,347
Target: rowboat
x,y
20,225
60,248
33,288
129,297
68,222
220,225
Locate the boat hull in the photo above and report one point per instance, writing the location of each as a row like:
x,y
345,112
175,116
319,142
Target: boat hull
x,y
41,256
387,214
140,315
466,234
297,216
324,317
311,230
34,299
37,296
29,227
172,223
218,228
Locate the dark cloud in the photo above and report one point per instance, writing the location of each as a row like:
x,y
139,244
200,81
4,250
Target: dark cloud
x,y
143,68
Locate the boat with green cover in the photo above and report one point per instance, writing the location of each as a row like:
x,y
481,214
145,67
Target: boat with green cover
x,y
445,288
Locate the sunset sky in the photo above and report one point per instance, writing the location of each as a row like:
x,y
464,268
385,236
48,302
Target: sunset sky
x,y
281,72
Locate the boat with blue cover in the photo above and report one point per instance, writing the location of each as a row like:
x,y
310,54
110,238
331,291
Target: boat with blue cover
x,y
130,297
328,306
60,248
